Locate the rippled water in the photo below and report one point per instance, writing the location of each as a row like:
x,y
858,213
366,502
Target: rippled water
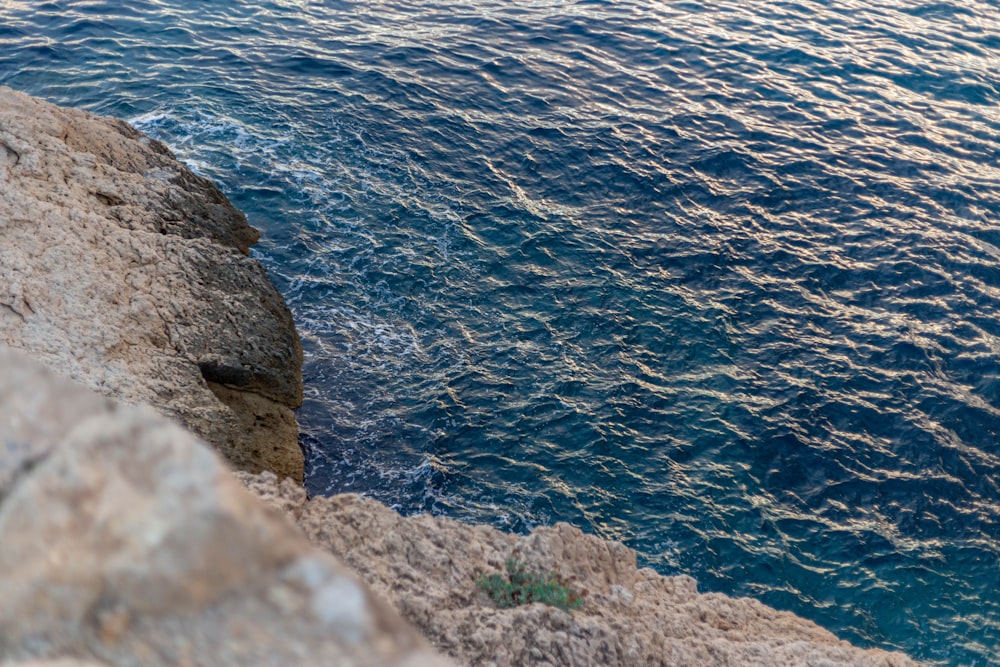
x,y
718,280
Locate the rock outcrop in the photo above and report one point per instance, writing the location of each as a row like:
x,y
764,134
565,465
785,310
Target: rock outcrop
x,y
125,541
122,269
428,568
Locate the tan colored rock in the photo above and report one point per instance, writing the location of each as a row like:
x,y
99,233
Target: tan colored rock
x,y
125,271
428,568
126,541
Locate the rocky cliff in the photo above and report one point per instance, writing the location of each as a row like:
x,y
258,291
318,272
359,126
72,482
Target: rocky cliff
x,y
123,270
124,541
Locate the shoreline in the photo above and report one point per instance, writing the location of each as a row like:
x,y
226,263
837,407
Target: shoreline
x,y
154,315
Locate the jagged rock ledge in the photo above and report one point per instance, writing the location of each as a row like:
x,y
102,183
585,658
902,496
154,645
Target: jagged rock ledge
x,y
124,541
427,567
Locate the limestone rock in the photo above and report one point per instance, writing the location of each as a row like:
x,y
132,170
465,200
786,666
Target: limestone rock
x,y
123,540
428,568
123,270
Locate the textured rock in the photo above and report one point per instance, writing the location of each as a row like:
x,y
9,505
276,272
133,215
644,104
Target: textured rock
x,y
428,568
124,540
125,271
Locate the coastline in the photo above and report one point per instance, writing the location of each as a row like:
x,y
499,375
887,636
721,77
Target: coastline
x,y
225,361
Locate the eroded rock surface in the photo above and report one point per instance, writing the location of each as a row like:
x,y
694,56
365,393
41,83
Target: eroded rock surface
x,y
122,269
428,568
125,541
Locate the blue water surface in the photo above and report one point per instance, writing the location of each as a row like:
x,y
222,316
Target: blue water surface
x,y
718,280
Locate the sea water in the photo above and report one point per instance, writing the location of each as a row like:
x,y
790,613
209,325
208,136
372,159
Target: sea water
x,y
718,280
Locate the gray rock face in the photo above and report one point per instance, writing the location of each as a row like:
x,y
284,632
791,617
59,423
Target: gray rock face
x,y
125,541
125,271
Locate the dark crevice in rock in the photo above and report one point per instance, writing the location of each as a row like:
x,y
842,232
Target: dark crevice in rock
x,y
220,373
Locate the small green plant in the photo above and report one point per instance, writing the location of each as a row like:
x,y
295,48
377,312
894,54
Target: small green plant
x,y
518,586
